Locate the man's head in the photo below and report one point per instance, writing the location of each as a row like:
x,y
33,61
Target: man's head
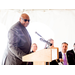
x,y
34,47
64,47
24,19
51,41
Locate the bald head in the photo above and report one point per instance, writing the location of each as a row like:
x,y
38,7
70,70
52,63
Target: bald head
x,y
24,19
25,16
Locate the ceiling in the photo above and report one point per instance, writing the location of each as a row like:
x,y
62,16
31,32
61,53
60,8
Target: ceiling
x,y
23,10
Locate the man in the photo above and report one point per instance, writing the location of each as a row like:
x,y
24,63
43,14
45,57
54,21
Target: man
x,y
63,60
71,56
19,42
63,55
52,44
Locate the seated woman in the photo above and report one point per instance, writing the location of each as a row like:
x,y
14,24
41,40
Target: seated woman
x,y
33,47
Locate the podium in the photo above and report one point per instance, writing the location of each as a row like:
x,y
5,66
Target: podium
x,y
42,56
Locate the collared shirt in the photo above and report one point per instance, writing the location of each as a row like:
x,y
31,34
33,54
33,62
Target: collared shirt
x,y
62,58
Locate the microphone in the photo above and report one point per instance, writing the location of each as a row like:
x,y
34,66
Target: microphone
x,y
50,44
42,39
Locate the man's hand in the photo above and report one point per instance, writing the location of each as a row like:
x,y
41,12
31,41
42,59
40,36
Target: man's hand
x,y
61,60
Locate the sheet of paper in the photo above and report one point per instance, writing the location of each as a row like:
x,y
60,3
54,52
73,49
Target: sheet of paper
x,y
54,54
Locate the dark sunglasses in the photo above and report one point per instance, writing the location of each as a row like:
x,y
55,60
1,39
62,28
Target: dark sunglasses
x,y
25,20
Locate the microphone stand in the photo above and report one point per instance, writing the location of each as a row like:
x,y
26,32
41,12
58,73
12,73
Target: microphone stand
x,y
48,43
42,39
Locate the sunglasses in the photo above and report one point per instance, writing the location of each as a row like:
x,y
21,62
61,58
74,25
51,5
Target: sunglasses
x,y
25,20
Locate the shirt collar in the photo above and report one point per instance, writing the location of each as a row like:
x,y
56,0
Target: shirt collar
x,y
63,53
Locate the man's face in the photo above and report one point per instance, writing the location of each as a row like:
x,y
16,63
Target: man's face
x,y
25,20
64,48
52,41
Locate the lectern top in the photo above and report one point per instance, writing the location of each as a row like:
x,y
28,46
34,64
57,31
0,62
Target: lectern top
x,y
42,55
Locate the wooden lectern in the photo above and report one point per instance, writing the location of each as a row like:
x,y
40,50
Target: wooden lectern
x,y
42,56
